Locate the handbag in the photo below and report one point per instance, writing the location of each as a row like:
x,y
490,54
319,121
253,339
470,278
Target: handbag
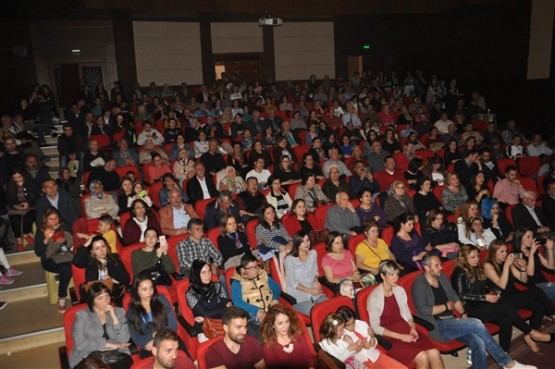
x,y
62,257
213,328
158,275
317,237
111,357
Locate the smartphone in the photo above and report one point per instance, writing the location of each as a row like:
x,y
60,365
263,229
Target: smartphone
x,y
518,255
162,239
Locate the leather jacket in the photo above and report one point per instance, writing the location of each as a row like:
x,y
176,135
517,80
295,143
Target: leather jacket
x,y
468,291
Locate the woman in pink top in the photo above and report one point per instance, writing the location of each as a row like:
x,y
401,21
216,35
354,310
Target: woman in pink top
x,y
338,264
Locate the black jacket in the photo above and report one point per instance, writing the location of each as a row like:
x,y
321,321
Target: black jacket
x,y
194,190
523,218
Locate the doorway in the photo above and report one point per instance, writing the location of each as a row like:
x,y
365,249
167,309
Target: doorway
x,y
245,66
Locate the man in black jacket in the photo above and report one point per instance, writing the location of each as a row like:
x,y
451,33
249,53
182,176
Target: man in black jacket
x,y
528,215
61,200
548,205
216,210
200,187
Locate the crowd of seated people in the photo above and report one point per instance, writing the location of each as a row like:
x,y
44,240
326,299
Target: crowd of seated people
x,y
410,166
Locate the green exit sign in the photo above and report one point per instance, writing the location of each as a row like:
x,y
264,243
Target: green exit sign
x,y
366,47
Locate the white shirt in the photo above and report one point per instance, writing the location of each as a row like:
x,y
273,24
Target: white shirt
x,y
205,192
443,126
262,177
542,149
54,202
534,215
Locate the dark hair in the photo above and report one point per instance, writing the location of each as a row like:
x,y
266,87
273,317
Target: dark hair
x,y
95,290
234,312
140,201
467,153
388,157
331,237
136,312
420,182
519,235
510,168
426,260
165,334
346,313
194,221
106,218
415,164
267,329
298,238
263,222
402,219
307,176
362,191
432,215
246,259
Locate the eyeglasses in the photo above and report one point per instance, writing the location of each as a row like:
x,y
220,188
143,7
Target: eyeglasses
x,y
254,267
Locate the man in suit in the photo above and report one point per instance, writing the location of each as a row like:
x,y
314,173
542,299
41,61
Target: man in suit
x,y
175,216
548,205
528,215
200,187
61,200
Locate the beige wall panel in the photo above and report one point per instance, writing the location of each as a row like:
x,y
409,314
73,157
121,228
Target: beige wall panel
x,y
236,37
304,48
167,52
541,39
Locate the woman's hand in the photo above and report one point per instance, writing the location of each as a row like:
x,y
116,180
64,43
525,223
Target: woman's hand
x,y
199,319
509,261
149,345
406,338
413,334
48,233
520,264
492,298
535,246
549,244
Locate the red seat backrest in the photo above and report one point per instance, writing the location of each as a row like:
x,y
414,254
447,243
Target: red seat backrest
x,y
126,257
212,235
300,150
123,218
293,189
354,241
528,183
362,302
406,282
509,213
154,193
529,166
251,233
438,193
69,317
172,248
102,140
320,311
203,349
200,207
502,164
122,171
387,234
320,213
78,279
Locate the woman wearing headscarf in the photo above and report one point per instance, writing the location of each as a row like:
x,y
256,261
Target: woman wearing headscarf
x,y
99,203
206,298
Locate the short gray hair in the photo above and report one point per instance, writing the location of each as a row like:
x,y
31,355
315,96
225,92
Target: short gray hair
x,y
388,267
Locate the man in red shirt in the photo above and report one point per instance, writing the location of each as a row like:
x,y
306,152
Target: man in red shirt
x,y
390,174
236,350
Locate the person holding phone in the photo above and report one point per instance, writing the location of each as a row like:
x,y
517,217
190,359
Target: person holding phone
x,y
482,299
156,249
537,262
505,270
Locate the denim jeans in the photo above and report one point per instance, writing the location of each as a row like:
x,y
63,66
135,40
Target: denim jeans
x,y
304,307
474,334
548,288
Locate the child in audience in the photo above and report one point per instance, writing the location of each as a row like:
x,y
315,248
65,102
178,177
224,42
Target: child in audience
x,y
105,230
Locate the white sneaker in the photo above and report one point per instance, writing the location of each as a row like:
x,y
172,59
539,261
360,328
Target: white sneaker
x,y
520,366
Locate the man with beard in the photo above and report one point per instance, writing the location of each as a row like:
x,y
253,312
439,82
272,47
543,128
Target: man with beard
x,y
236,350
166,354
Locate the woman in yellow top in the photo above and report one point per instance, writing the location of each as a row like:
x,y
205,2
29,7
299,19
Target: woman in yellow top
x,y
373,250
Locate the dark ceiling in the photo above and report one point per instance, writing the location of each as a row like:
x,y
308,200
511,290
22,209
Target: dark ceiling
x,y
243,9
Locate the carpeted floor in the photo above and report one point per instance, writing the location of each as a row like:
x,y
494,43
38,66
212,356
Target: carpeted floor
x,y
545,359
